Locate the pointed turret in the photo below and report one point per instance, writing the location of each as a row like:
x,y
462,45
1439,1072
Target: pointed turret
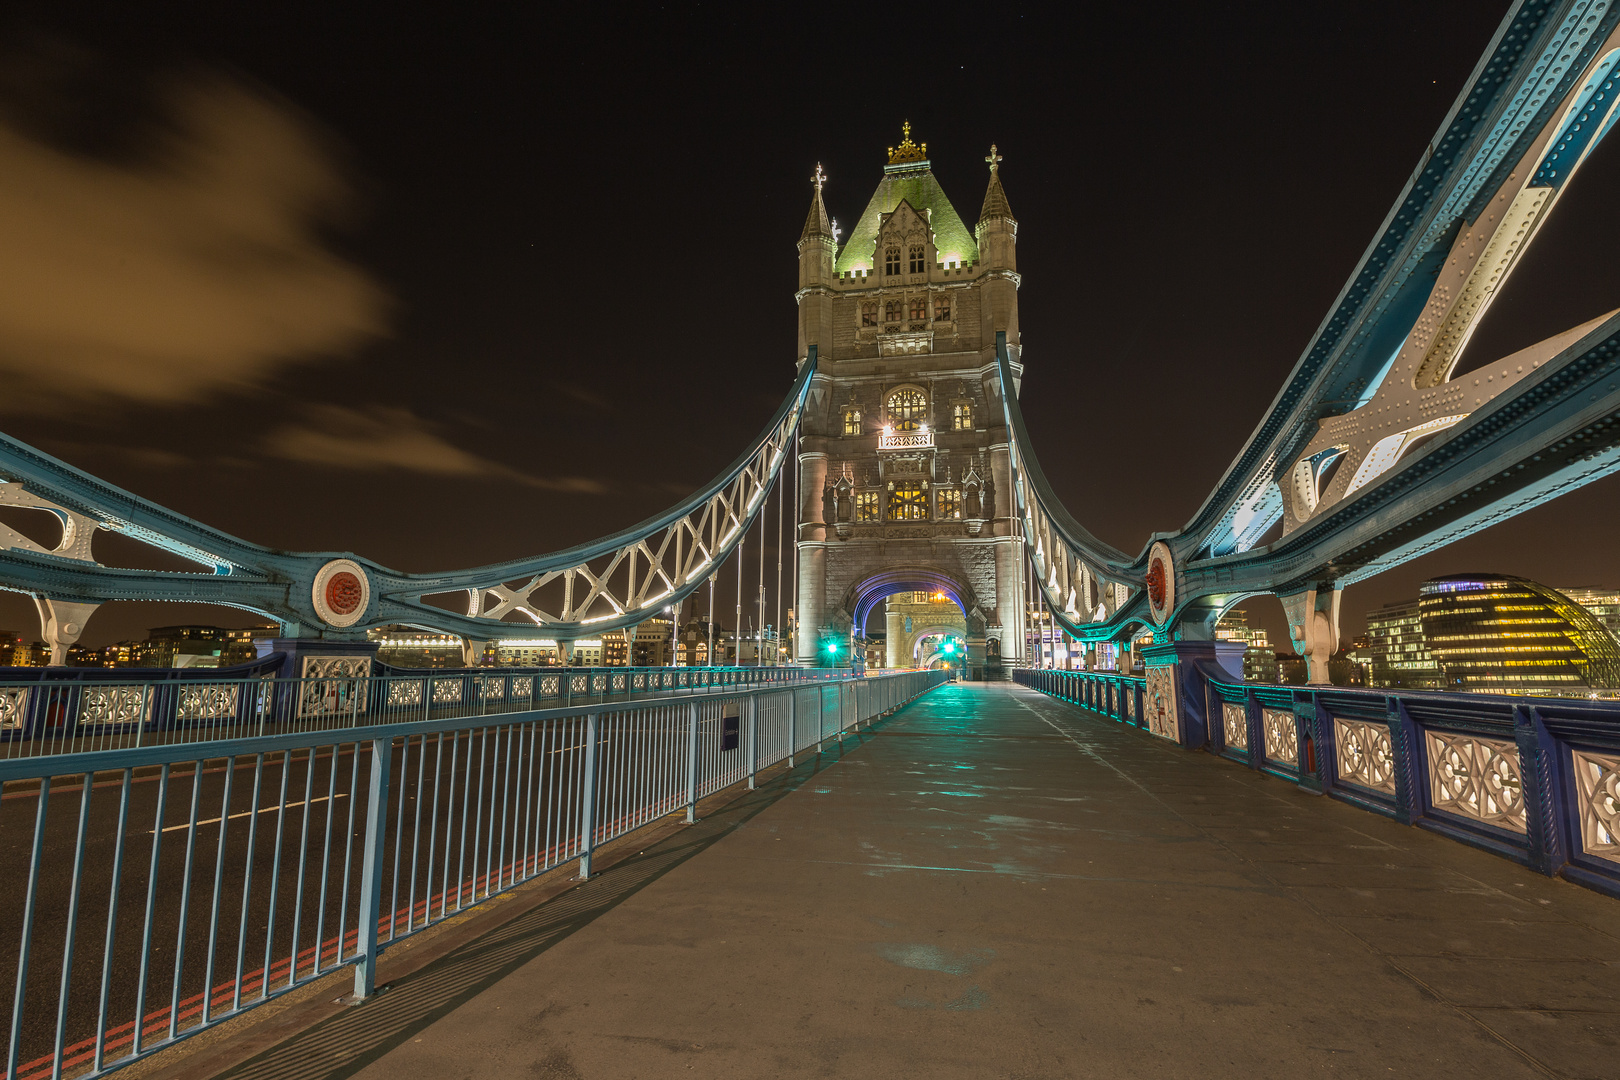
x,y
997,230
816,223
997,233
818,245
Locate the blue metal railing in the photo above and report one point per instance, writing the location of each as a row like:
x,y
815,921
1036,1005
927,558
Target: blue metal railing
x,y
64,710
171,886
1536,780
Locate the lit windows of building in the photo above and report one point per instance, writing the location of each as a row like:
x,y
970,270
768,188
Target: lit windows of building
x,y
1604,604
1398,653
908,501
919,308
867,509
962,417
852,421
907,408
1259,658
891,261
1498,634
950,504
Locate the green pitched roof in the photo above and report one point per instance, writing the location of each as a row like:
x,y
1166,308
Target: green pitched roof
x,y
917,186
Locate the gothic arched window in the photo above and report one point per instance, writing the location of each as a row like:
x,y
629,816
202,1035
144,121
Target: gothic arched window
x,y
919,308
891,260
962,418
869,313
908,408
950,504
866,507
891,311
919,256
852,421
942,308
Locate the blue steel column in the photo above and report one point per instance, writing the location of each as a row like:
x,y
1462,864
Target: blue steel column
x,y
1544,797
692,764
365,972
587,798
753,739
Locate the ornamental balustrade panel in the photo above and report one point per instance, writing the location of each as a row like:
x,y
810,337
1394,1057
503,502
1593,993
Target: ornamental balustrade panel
x,y
1477,778
1597,794
1365,754
207,701
13,707
333,685
115,705
1235,723
1282,736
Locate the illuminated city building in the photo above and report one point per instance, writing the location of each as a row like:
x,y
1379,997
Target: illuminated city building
x,y
1604,604
1397,652
1498,634
1259,658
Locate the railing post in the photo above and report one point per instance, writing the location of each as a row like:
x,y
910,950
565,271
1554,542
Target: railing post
x,y
587,798
793,732
753,739
692,764
365,971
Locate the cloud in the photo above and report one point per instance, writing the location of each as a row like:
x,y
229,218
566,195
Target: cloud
x,y
198,268
389,438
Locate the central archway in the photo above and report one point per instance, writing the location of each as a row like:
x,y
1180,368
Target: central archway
x,y
865,595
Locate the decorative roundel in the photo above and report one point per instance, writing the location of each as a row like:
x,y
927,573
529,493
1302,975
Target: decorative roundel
x,y
341,592
1161,582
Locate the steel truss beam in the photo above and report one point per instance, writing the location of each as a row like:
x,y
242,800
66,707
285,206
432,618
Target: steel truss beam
x,y
1372,453
607,584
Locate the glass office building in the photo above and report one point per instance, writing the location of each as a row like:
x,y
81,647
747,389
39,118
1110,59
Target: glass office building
x,y
1397,650
1498,634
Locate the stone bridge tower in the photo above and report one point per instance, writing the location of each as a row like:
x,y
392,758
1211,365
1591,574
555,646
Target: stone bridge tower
x,y
903,454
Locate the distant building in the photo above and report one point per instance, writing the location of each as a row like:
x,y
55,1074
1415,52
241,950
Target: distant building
x,y
1604,604
406,647
1397,651
1259,658
1499,634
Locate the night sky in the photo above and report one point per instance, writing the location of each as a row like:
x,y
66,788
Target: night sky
x,y
450,289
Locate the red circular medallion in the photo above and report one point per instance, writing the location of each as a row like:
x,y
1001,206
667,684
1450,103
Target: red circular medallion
x,y
343,593
1155,583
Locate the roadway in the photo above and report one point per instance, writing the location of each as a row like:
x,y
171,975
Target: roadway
x,y
997,884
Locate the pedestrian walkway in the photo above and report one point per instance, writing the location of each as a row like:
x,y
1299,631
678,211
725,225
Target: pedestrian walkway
x,y
993,883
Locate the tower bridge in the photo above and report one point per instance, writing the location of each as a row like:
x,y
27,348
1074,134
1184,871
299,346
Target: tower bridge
x,y
902,454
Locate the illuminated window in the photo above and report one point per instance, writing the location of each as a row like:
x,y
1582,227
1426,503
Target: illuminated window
x,y
891,260
866,506
908,502
852,421
962,418
908,408
950,504
891,311
918,255
919,307
942,309
869,314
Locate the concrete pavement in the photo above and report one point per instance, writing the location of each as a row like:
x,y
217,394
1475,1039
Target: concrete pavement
x,y
997,884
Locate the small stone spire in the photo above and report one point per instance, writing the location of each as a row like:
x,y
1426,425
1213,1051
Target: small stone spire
x,y
995,199
816,223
